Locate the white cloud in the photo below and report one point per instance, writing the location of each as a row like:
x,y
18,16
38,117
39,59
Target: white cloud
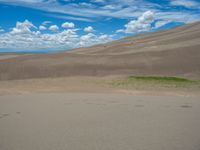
x,y
98,1
54,28
88,29
86,5
185,3
161,23
87,37
25,36
126,9
68,25
42,27
70,17
105,38
112,7
120,30
177,16
22,27
45,23
90,39
143,23
129,8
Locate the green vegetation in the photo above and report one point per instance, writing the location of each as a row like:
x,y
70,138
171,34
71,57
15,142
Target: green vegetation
x,y
149,82
160,79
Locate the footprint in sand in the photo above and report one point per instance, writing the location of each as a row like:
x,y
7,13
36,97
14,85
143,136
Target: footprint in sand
x,y
186,106
139,105
4,115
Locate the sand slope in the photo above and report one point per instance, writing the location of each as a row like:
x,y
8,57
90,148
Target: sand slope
x,y
174,52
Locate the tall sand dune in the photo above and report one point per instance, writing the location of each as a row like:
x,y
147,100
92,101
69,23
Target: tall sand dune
x,y
173,52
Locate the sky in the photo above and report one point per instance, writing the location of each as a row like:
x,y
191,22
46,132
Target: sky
x,y
54,25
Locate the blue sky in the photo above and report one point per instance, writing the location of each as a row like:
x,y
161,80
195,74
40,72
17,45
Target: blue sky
x,y
50,25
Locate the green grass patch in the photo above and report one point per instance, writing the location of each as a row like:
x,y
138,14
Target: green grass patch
x,y
152,82
160,79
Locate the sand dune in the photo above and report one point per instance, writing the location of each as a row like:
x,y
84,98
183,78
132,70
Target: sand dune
x,y
174,52
76,106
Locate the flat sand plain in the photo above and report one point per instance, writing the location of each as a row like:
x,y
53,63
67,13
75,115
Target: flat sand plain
x,y
99,121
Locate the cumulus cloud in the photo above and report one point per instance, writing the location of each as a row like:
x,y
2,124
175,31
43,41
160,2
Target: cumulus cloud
x,y
88,29
87,38
22,27
105,38
90,39
68,25
42,27
25,36
143,23
54,28
36,40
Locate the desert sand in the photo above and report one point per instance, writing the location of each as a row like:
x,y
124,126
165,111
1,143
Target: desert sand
x,y
67,101
86,113
99,121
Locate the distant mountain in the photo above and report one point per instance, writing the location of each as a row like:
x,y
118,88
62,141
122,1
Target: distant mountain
x,y
173,52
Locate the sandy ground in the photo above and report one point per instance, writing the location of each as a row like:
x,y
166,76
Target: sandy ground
x,y
67,103
2,57
88,84
99,121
